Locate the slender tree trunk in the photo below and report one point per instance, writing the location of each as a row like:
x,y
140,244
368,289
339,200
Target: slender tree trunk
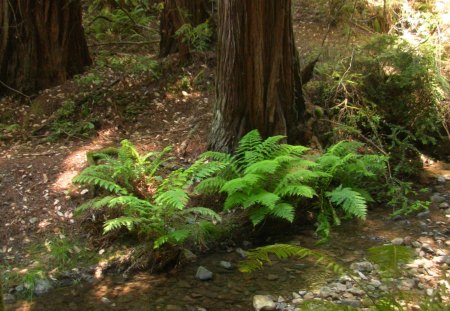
x,y
258,83
176,13
42,43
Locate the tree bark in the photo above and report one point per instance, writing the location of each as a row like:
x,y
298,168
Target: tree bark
x,y
176,13
42,43
258,78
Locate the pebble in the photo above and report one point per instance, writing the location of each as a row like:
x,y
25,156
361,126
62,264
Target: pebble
x,y
308,296
42,287
351,302
437,198
32,220
406,284
241,252
326,292
443,205
263,302
226,265
423,214
397,241
105,300
203,274
9,299
363,266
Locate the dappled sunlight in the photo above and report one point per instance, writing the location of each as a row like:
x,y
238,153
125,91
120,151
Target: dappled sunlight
x,y
76,160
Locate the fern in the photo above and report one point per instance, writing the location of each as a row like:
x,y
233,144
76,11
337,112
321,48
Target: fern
x,y
149,204
351,201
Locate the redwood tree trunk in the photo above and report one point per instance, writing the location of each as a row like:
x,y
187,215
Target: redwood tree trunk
x,y
42,43
176,13
258,83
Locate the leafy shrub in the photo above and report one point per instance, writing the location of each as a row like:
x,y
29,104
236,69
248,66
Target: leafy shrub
x,y
149,204
390,93
268,179
198,38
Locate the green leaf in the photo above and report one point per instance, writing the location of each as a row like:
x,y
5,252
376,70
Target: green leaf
x,y
295,190
176,198
262,197
351,201
263,167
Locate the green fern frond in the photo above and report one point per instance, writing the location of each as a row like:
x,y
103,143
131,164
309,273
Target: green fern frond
x,y
127,151
295,190
270,147
177,236
132,202
285,149
209,169
203,211
95,203
351,201
284,211
263,167
258,257
233,200
258,214
248,142
240,184
210,185
176,198
261,197
111,186
217,156
344,147
116,223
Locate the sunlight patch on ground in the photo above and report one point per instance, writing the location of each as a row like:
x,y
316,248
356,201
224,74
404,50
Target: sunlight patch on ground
x,y
76,160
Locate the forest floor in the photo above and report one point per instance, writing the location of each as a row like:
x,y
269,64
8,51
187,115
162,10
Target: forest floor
x,y
153,106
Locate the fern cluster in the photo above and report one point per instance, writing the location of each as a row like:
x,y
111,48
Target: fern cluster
x,y
348,178
264,177
269,178
151,205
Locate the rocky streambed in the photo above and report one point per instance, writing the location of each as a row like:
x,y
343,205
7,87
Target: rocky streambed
x,y
212,282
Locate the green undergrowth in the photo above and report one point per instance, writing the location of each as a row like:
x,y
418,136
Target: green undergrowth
x,y
49,259
264,178
389,93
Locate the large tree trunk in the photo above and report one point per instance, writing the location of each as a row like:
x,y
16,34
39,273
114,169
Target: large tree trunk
x,y
176,13
42,43
258,81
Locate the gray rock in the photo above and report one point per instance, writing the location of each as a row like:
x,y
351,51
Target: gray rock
x,y
443,205
341,287
441,179
297,301
189,256
9,299
397,241
308,296
351,302
42,287
423,214
263,303
428,249
437,198
105,300
326,292
32,220
296,296
430,292
241,252
363,266
375,283
406,284
203,274
226,265
272,277
356,291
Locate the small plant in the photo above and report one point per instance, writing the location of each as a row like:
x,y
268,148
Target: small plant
x,y
198,38
401,193
150,204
